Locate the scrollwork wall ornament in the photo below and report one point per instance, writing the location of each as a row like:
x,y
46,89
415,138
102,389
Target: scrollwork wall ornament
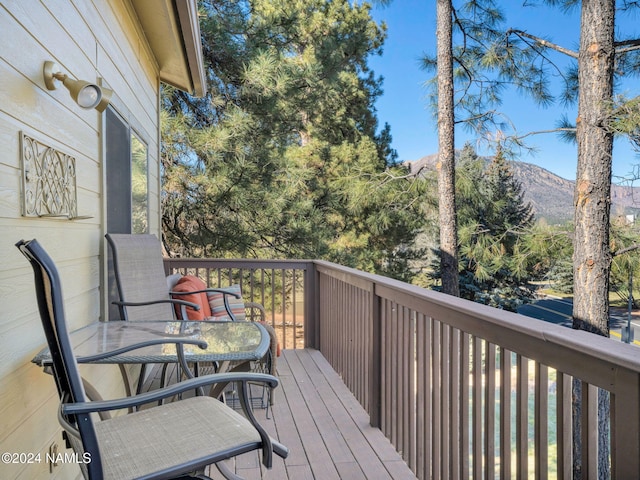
x,y
48,180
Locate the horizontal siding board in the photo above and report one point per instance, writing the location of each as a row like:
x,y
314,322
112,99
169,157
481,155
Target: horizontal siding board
x,y
9,191
75,52
88,206
27,388
127,52
81,309
65,241
75,27
130,101
9,140
73,131
98,41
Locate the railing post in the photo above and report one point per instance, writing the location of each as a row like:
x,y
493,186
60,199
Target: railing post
x,y
375,368
311,307
167,266
625,425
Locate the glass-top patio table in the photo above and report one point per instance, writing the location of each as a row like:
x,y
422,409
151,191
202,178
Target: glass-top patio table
x,y
225,342
232,341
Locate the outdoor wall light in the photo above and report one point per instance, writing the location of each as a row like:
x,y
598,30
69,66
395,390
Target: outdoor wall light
x,y
87,95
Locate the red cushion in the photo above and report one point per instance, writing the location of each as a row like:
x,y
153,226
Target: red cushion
x,y
191,283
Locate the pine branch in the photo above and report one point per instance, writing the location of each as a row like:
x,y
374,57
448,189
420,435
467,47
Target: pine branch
x,y
628,249
539,132
543,42
630,45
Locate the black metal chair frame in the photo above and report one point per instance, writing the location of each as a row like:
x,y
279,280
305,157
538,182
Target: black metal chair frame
x,y
75,409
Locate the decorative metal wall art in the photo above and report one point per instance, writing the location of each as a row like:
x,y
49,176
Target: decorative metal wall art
x,y
48,181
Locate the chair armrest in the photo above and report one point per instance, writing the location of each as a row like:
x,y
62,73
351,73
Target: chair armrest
x,y
216,290
157,341
166,392
174,301
224,293
269,446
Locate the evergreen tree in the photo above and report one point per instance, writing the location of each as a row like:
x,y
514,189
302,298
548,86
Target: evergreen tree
x,y
506,203
528,61
591,81
463,92
496,262
524,60
624,268
283,158
498,256
446,149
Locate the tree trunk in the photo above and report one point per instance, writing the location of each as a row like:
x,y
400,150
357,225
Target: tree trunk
x,y
592,254
446,150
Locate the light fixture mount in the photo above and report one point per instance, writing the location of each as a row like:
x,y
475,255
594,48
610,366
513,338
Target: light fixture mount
x,y
50,71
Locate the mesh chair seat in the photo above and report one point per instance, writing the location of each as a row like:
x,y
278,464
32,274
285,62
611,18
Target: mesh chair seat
x,y
145,442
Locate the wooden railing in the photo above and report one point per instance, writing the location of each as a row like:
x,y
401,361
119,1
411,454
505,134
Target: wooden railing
x,y
278,285
463,390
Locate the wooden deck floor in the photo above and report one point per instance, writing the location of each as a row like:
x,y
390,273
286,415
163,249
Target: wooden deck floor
x,y
325,428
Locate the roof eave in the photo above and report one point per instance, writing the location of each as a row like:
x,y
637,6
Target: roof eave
x,y
190,23
172,30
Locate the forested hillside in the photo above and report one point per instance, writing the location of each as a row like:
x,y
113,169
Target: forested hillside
x,y
551,196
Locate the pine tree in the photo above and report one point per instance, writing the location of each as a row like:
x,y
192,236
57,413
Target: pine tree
x,y
506,202
446,149
462,94
495,224
498,247
283,158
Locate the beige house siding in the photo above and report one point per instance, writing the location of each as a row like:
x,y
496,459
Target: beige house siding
x,y
98,41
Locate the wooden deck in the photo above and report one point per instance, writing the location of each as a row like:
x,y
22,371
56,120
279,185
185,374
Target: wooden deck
x,y
325,428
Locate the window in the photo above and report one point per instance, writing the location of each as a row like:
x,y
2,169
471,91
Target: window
x,y
127,177
139,190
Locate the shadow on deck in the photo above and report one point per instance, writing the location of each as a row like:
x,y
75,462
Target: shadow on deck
x,y
324,427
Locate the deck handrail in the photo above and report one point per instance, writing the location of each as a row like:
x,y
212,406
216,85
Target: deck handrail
x,y
477,316
448,380
423,380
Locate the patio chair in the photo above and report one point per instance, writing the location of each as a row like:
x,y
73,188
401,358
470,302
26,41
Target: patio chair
x,y
142,289
175,440
145,293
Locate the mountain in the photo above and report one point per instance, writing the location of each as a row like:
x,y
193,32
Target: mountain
x,y
551,195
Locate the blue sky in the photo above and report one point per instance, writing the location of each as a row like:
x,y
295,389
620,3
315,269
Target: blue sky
x,y
411,33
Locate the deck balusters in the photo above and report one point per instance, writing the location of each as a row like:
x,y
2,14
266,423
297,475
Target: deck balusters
x,y
461,390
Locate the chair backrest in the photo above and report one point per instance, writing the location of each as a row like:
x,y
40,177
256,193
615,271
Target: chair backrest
x,y
65,366
140,276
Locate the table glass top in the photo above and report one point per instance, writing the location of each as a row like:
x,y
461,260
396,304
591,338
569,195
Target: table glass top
x,y
225,341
